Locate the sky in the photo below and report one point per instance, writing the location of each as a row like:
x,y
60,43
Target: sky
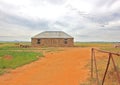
x,y
85,20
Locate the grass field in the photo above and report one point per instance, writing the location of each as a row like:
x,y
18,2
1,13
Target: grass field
x,y
108,46
94,44
11,56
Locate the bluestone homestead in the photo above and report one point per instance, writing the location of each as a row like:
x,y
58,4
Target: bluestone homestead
x,y
52,39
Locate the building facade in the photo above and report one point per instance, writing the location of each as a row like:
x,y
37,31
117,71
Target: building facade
x,y
52,39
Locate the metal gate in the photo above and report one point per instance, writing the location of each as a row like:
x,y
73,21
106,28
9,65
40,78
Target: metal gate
x,y
105,67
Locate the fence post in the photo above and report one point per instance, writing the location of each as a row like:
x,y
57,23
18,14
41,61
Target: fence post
x,y
106,68
117,73
95,63
92,63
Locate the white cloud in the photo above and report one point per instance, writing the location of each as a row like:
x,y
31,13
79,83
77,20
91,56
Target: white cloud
x,y
26,9
116,5
86,20
81,5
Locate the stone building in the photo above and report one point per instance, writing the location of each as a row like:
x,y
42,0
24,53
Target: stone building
x,y
52,39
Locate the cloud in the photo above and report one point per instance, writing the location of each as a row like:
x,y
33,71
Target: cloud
x,y
104,18
85,20
21,21
107,3
56,2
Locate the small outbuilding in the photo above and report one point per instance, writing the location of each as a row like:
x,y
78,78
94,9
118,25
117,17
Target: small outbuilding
x,y
52,39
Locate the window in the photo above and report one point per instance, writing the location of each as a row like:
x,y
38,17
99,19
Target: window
x,y
38,41
65,41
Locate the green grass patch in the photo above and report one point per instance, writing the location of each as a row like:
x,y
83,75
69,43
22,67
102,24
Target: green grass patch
x,y
14,48
12,56
13,59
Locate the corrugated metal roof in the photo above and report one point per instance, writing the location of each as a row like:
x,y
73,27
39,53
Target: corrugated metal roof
x,y
52,34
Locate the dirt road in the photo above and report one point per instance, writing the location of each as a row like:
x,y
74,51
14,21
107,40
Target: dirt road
x,y
66,67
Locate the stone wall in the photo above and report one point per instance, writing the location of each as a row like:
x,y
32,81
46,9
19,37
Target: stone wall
x,y
52,42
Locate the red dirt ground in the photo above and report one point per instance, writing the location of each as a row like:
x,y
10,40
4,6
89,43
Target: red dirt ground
x,y
66,67
8,57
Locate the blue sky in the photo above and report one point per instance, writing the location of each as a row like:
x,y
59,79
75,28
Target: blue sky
x,y
85,20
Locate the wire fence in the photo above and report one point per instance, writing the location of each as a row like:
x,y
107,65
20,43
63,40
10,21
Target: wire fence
x,y
105,67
